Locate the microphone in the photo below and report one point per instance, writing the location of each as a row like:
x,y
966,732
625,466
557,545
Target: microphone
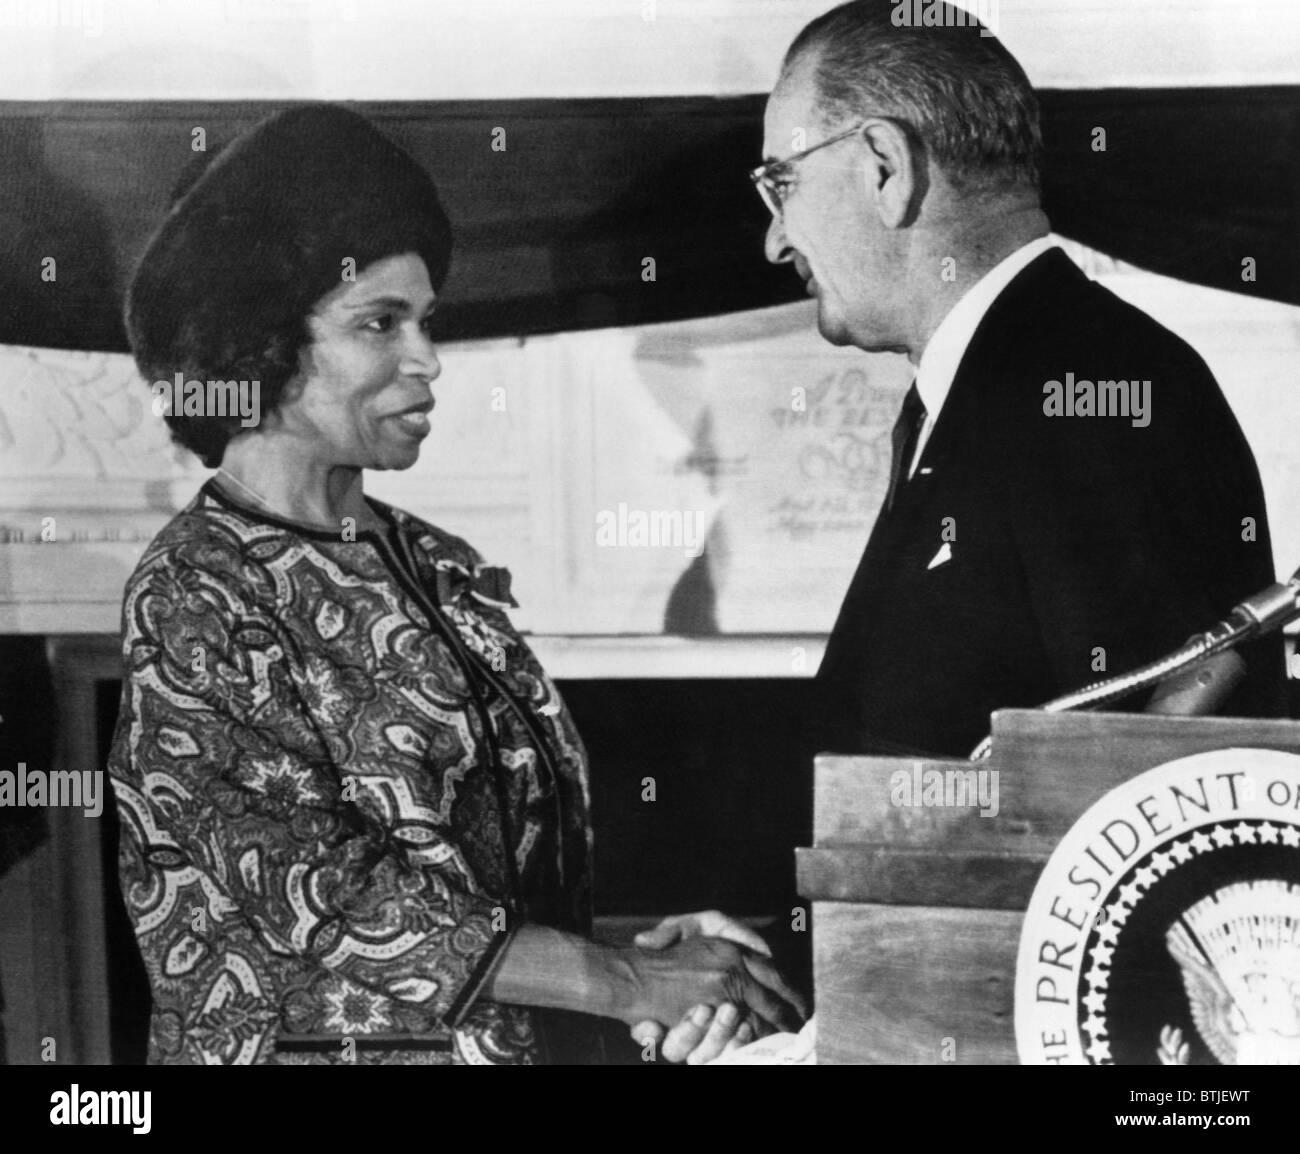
x,y
1199,675
1200,690
1270,608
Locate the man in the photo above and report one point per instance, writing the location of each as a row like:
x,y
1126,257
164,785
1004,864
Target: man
x,y
1021,551
1026,547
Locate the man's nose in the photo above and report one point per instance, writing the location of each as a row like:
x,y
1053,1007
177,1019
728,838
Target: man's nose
x,y
775,246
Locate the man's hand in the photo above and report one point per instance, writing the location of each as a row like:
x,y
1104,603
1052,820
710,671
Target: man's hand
x,y
705,924
705,1033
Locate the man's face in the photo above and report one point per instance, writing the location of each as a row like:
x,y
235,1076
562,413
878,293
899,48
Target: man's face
x,y
828,229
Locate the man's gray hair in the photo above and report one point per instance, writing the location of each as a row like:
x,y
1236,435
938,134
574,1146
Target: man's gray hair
x,y
956,90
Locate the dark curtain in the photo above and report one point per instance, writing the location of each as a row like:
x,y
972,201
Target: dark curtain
x,y
552,231
27,727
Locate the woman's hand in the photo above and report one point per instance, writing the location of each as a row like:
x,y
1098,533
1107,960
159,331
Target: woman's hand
x,y
541,966
682,983
704,1033
665,985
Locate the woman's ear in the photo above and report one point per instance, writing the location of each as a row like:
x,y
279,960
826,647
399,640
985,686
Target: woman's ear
x,y
890,172
291,392
296,384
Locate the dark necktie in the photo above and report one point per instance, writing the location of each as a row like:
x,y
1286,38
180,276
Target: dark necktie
x,y
907,431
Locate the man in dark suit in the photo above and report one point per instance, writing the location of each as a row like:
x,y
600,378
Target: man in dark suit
x,y
1044,526
1071,494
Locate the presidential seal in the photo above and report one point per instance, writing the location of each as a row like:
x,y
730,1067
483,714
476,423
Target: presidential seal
x,y
1166,926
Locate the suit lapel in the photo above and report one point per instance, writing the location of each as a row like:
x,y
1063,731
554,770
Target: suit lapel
x,y
894,546
992,351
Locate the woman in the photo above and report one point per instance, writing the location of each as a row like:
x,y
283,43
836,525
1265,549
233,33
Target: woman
x,y
354,806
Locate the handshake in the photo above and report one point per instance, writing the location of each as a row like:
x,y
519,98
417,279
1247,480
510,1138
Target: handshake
x,y
703,985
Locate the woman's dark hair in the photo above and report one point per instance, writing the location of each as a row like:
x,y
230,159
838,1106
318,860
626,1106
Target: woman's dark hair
x,y
276,220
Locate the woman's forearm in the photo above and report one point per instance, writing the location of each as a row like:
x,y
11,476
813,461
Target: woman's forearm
x,y
547,967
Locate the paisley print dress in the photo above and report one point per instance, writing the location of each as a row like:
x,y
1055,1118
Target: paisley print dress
x,y
344,781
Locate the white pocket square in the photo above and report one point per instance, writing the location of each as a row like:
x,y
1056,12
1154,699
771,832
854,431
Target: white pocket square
x,y
942,557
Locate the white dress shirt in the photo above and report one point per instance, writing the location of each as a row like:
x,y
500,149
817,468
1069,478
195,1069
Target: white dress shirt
x,y
943,353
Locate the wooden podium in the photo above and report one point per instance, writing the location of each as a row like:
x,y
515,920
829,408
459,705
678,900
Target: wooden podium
x,y
917,910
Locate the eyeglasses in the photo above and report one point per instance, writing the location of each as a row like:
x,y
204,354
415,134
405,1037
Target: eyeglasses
x,y
772,188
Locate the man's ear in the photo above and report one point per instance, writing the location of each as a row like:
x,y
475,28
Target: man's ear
x,y
893,181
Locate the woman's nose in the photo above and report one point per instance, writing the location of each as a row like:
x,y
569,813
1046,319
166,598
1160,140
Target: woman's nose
x,y
421,358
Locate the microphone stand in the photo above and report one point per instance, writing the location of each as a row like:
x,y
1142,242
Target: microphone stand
x,y
1267,610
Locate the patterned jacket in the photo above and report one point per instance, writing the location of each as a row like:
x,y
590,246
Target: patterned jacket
x,y
344,780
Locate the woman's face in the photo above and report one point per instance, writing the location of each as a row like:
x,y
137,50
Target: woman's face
x,y
364,398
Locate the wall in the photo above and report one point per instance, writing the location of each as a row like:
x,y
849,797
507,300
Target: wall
x,y
490,49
